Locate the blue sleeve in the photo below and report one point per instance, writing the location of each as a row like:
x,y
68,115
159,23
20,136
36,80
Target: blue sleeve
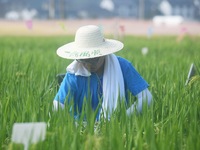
x,y
132,79
66,88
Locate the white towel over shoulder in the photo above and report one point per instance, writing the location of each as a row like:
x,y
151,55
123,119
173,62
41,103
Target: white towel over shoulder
x,y
113,84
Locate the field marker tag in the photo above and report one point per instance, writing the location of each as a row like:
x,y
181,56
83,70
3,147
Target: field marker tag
x,y
28,133
191,73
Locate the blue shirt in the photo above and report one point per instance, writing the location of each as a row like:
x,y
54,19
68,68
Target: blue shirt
x,y
77,88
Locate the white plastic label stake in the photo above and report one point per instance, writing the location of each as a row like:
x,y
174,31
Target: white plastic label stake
x,y
28,133
191,73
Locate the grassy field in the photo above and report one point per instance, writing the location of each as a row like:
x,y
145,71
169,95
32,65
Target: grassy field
x,y
28,69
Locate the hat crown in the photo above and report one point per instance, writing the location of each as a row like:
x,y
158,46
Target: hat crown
x,y
89,36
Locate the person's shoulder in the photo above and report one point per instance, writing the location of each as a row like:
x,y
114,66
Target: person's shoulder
x,y
70,74
70,77
126,65
123,60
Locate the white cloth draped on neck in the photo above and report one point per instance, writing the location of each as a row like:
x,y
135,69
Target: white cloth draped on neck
x,y
113,82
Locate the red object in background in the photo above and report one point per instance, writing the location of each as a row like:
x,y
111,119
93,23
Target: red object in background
x,y
184,30
122,28
29,24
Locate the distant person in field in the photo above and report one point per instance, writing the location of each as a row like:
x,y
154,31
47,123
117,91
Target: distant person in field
x,y
99,75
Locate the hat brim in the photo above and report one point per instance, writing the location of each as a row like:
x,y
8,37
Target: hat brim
x,y
72,51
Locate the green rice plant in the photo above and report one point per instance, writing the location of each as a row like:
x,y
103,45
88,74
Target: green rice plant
x,y
28,69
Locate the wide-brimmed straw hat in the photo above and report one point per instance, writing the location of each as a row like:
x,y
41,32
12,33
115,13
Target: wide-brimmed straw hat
x,y
89,43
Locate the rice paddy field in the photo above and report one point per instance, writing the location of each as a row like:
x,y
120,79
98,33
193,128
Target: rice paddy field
x,y
28,69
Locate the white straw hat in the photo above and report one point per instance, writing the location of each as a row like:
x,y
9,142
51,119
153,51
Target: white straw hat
x,y
89,43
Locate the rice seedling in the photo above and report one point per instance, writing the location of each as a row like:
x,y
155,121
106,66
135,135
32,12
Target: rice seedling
x,y
28,69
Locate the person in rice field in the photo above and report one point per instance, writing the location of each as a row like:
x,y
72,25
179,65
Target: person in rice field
x,y
96,73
